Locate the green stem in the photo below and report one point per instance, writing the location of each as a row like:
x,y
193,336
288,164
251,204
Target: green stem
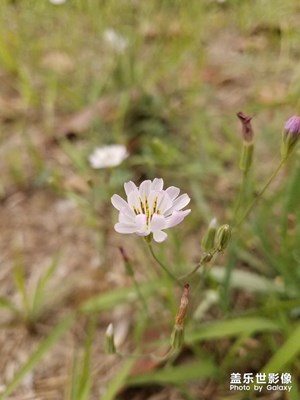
x,y
241,195
260,194
200,264
163,266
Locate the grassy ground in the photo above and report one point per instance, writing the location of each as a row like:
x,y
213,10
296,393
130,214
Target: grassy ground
x,y
168,88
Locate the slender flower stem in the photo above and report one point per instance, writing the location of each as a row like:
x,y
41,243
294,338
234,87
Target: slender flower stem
x,y
241,195
260,194
163,266
203,261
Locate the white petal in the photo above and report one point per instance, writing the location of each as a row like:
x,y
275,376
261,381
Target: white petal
x,y
129,187
152,197
173,192
180,203
159,236
176,218
164,202
125,218
141,221
144,189
133,199
157,184
125,228
118,202
108,156
158,222
128,212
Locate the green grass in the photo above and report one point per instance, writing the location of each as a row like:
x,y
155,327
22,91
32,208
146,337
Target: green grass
x,y
171,96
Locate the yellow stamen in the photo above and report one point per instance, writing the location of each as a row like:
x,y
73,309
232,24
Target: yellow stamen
x,y
142,206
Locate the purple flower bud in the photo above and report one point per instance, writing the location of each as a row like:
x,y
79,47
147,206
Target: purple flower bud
x,y
247,131
290,136
292,125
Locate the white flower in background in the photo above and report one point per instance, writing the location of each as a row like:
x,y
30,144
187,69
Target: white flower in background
x,y
108,156
150,209
57,1
115,40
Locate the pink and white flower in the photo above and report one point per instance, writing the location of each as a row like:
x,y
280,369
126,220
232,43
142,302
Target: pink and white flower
x,y
150,209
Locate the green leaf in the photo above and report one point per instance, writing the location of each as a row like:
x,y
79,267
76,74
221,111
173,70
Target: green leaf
x,y
109,299
86,376
35,357
247,280
177,374
233,327
286,354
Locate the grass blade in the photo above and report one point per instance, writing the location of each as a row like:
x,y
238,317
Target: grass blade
x,y
177,374
109,299
286,354
232,327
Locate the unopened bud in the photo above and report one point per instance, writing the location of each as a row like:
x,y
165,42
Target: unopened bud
x,y
223,236
290,135
208,240
110,347
177,338
247,131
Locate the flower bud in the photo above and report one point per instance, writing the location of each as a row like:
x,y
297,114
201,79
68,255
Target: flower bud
x,y
177,338
290,135
223,236
247,131
110,347
247,134
208,241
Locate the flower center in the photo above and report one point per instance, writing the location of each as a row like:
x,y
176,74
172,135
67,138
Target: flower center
x,y
146,209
